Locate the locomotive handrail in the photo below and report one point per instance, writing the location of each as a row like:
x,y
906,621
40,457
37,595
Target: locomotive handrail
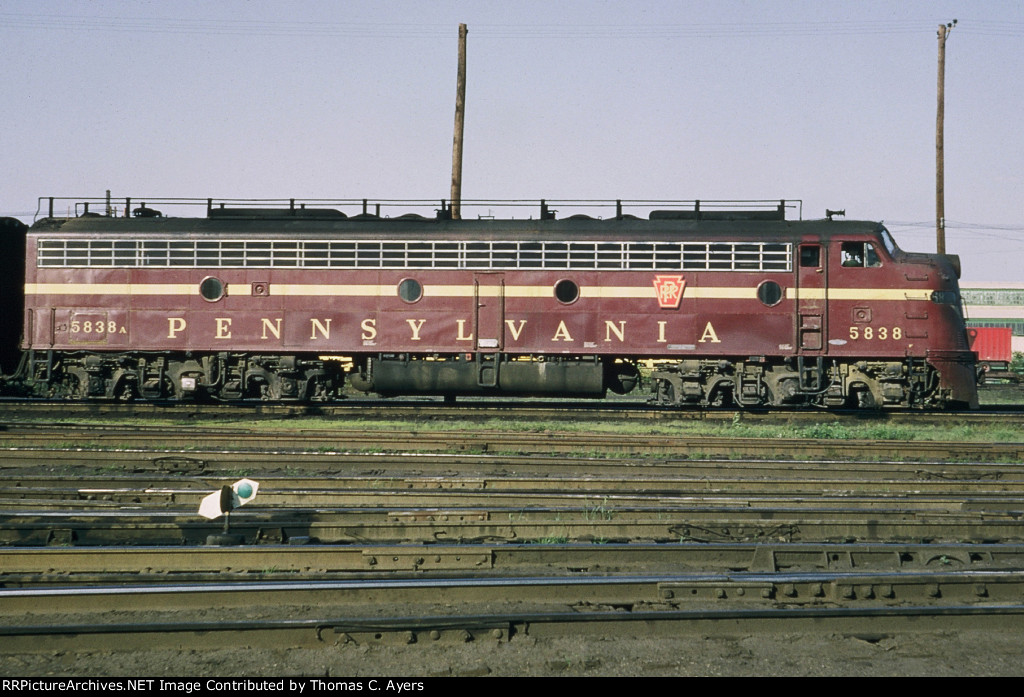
x,y
152,206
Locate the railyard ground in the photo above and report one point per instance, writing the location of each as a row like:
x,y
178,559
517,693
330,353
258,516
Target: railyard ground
x,y
825,652
974,653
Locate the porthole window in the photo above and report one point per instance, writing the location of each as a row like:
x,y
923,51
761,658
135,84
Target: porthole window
x,y
769,293
212,289
567,291
410,290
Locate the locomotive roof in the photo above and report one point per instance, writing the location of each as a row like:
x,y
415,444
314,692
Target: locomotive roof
x,y
410,227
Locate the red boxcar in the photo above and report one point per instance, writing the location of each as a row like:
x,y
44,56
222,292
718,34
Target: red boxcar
x,y
994,346
738,307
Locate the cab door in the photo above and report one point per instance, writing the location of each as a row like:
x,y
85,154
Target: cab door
x,y
812,300
489,325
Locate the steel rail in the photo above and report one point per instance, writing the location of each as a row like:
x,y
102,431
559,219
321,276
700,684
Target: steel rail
x,y
667,497
498,627
723,523
499,609
280,597
259,440
491,408
63,565
24,463
912,487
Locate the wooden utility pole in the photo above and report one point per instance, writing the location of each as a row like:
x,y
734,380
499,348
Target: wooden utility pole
x,y
940,174
460,119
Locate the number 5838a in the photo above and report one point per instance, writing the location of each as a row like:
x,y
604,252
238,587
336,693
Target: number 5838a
x,y
93,326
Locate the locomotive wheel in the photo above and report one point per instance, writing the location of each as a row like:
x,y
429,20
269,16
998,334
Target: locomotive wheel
x,y
127,392
71,386
865,400
720,397
621,378
666,393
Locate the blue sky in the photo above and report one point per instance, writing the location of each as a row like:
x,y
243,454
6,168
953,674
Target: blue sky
x,y
829,102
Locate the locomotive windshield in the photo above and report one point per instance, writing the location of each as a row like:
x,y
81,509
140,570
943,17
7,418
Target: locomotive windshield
x,y
889,242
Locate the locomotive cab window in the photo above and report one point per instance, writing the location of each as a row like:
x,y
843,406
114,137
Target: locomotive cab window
x,y
810,255
889,242
860,254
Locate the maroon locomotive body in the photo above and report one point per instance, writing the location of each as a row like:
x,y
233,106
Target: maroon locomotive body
x,y
729,306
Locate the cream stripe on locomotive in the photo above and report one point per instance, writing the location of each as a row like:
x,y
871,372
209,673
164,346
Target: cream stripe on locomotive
x,y
469,291
111,288
858,294
341,290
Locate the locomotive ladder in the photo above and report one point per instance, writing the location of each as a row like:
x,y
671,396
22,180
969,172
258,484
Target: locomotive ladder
x,y
487,368
810,376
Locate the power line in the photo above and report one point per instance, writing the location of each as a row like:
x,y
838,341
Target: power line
x,y
377,30
1005,232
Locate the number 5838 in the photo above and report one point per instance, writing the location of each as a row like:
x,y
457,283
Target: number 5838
x,y
876,333
93,327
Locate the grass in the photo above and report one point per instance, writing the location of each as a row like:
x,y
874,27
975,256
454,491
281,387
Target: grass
x,y
600,511
735,428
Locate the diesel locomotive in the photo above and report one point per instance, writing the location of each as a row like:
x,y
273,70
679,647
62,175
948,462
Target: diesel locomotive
x,y
727,304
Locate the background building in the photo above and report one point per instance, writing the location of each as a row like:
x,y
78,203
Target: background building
x,y
996,305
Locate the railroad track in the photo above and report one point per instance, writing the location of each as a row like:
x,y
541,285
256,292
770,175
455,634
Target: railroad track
x,y
446,470
314,613
256,439
495,499
62,566
718,523
511,535
487,409
337,631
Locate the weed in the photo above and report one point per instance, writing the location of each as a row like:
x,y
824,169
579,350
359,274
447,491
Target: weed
x,y
828,431
598,512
